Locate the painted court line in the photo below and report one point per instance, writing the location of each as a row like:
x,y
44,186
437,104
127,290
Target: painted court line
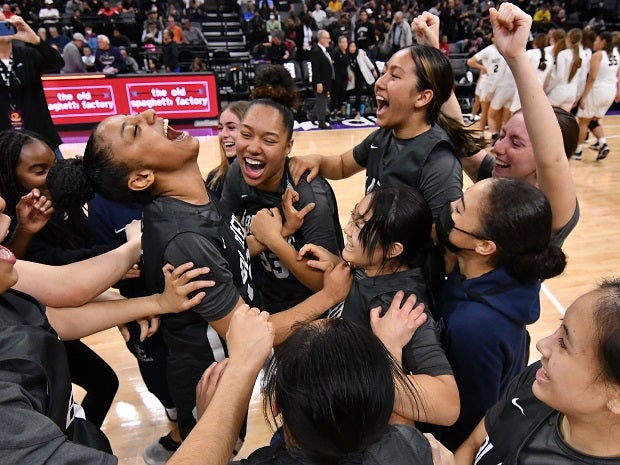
x,y
556,303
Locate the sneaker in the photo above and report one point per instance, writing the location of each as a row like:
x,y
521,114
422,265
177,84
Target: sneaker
x,y
603,152
595,146
171,413
576,156
160,451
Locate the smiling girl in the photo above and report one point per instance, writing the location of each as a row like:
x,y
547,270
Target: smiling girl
x,y
388,243
416,144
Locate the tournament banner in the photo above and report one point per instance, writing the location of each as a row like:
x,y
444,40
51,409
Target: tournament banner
x,y
89,98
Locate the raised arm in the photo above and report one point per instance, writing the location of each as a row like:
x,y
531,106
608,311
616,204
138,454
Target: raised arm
x,y
75,284
511,28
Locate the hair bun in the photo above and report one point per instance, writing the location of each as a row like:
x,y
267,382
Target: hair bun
x,y
275,82
68,184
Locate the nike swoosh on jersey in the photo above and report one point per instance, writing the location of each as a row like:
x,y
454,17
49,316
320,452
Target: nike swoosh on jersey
x,y
243,196
373,146
118,231
514,402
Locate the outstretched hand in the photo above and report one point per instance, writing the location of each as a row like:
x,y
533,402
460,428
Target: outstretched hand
x,y
179,285
207,385
511,29
399,324
425,27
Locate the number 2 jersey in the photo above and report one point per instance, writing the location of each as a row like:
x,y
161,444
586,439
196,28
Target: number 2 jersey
x,y
280,289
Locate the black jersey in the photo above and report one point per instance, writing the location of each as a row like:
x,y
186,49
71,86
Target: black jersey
x,y
523,430
176,232
280,289
423,354
427,162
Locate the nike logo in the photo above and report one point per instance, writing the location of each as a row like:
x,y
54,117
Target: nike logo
x,y
514,402
243,196
373,146
118,231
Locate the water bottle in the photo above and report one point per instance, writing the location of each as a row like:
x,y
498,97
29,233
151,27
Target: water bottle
x,y
362,108
348,113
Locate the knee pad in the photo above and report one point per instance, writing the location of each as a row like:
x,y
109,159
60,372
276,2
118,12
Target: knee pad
x,y
593,125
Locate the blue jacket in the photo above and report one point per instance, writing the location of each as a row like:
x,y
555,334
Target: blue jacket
x,y
482,323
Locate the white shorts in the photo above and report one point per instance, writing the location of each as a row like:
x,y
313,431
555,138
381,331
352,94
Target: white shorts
x,y
485,88
503,96
597,102
563,97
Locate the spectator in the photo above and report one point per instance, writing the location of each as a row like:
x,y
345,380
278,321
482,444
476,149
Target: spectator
x,y
153,17
118,39
74,5
192,35
399,36
42,33
172,11
48,14
449,19
256,30
175,30
151,34
322,77
56,39
319,14
107,11
89,59
194,12
305,37
91,38
73,56
108,59
334,6
198,65
76,22
365,37
444,46
273,23
170,53
542,16
248,14
275,51
340,58
6,11
131,65
153,66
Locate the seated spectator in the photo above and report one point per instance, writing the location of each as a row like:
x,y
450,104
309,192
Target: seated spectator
x,y
319,14
72,6
274,51
194,12
119,39
89,59
108,59
444,46
131,65
73,56
7,11
192,35
91,38
154,66
107,10
153,17
175,30
151,34
48,14
334,6
198,65
57,39
273,23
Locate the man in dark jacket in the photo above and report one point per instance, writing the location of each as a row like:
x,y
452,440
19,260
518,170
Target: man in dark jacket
x,y
322,77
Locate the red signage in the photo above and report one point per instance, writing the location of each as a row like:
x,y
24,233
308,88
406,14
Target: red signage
x,y
89,98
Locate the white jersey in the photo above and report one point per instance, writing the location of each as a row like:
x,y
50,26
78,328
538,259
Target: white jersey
x,y
607,76
490,59
562,92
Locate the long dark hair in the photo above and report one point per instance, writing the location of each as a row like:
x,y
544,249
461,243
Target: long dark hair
x,y
334,383
434,72
516,216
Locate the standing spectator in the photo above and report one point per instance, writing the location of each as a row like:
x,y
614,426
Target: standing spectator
x,y
57,40
449,19
341,74
305,37
257,33
175,30
151,34
399,36
275,51
108,59
322,77
22,101
131,65
192,35
48,14
542,17
170,53
73,56
364,72
365,37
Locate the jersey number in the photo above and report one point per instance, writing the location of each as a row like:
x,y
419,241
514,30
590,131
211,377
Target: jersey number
x,y
272,264
613,60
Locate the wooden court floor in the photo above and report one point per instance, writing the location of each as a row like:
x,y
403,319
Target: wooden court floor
x,y
136,417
